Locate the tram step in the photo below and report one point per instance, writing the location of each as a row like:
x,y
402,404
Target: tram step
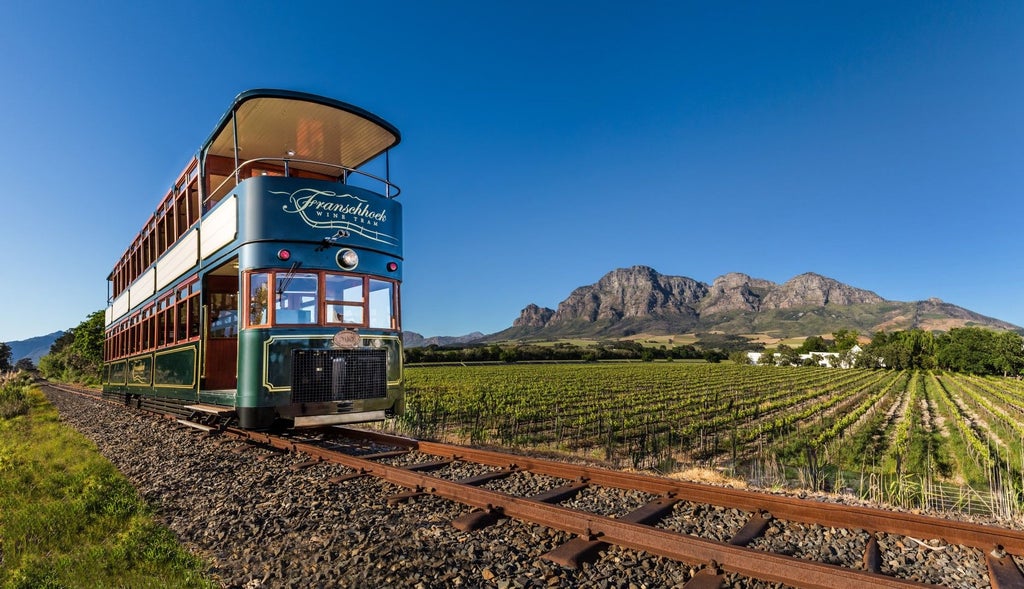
x,y
211,409
205,428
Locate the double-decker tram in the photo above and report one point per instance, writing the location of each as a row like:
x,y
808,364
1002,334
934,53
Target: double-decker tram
x,y
266,285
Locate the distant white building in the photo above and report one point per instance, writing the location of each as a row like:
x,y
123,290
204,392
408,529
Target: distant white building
x,y
755,357
829,359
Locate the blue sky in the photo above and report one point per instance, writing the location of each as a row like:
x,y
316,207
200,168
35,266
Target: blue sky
x,y
545,143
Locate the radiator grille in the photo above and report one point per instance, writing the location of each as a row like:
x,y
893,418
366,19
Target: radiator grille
x,y
338,375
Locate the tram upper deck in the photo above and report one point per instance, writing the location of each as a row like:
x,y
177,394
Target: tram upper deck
x,y
266,132
280,133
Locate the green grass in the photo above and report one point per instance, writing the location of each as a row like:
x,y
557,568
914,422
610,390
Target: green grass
x,y
68,518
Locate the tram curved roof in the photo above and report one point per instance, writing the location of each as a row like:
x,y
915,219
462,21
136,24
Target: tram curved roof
x,y
284,123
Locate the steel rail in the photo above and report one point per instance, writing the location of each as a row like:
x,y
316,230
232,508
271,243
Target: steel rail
x,y
813,512
673,545
982,537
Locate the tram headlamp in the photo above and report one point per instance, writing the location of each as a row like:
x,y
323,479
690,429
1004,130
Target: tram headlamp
x,y
347,259
284,255
392,266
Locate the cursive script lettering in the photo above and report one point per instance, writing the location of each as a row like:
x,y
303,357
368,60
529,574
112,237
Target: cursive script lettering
x,y
325,209
310,201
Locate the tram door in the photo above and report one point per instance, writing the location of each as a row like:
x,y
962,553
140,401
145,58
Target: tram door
x,y
220,297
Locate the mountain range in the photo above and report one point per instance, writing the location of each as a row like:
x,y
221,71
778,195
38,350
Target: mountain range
x,y
639,300
411,339
33,348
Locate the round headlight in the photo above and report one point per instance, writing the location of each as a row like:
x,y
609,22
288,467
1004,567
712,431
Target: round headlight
x,y
347,259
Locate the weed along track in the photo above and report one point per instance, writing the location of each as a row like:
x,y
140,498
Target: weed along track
x,y
340,506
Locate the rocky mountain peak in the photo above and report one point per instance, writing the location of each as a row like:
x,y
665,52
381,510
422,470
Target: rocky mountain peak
x,y
533,316
633,292
812,289
735,291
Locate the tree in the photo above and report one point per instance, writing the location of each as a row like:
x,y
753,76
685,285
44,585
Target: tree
x,y
788,356
867,358
845,359
967,349
903,350
77,355
1009,352
980,351
25,364
739,358
714,356
844,339
814,343
5,357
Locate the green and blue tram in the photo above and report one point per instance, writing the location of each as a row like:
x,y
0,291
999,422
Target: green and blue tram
x,y
268,280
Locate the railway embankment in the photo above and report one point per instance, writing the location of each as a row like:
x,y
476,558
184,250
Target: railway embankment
x,y
264,518
262,524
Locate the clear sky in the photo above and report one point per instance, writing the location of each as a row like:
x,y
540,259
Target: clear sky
x,y
545,143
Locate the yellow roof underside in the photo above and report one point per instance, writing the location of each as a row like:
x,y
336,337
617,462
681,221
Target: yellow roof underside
x,y
271,127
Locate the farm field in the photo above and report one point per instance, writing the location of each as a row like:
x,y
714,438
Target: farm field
x,y
913,438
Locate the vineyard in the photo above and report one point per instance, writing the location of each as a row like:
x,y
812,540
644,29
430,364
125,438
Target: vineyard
x,y
914,438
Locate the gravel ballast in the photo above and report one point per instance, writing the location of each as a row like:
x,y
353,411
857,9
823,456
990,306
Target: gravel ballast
x,y
261,524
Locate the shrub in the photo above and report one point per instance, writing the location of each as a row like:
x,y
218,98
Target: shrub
x,y
12,394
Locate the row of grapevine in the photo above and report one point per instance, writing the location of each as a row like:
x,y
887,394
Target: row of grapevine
x,y
796,421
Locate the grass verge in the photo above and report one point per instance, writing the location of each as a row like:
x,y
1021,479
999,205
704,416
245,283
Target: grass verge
x,y
68,518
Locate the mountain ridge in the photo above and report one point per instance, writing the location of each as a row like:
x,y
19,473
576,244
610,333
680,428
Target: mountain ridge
x,y
33,348
638,299
411,339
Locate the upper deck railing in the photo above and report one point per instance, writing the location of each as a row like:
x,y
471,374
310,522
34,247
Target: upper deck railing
x,y
286,166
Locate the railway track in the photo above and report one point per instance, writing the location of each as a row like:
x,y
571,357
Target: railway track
x,y
851,547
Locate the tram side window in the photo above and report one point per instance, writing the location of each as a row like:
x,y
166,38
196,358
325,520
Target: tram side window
x,y
344,297
194,323
297,299
187,320
258,299
381,297
179,314
161,328
139,337
168,332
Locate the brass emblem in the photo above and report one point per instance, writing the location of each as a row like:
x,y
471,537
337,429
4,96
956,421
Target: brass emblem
x,y
346,339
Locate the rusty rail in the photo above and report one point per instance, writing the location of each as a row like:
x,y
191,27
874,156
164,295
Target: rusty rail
x,y
636,530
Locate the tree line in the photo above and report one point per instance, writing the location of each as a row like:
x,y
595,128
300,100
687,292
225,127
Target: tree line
x,y
710,347
559,352
972,350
